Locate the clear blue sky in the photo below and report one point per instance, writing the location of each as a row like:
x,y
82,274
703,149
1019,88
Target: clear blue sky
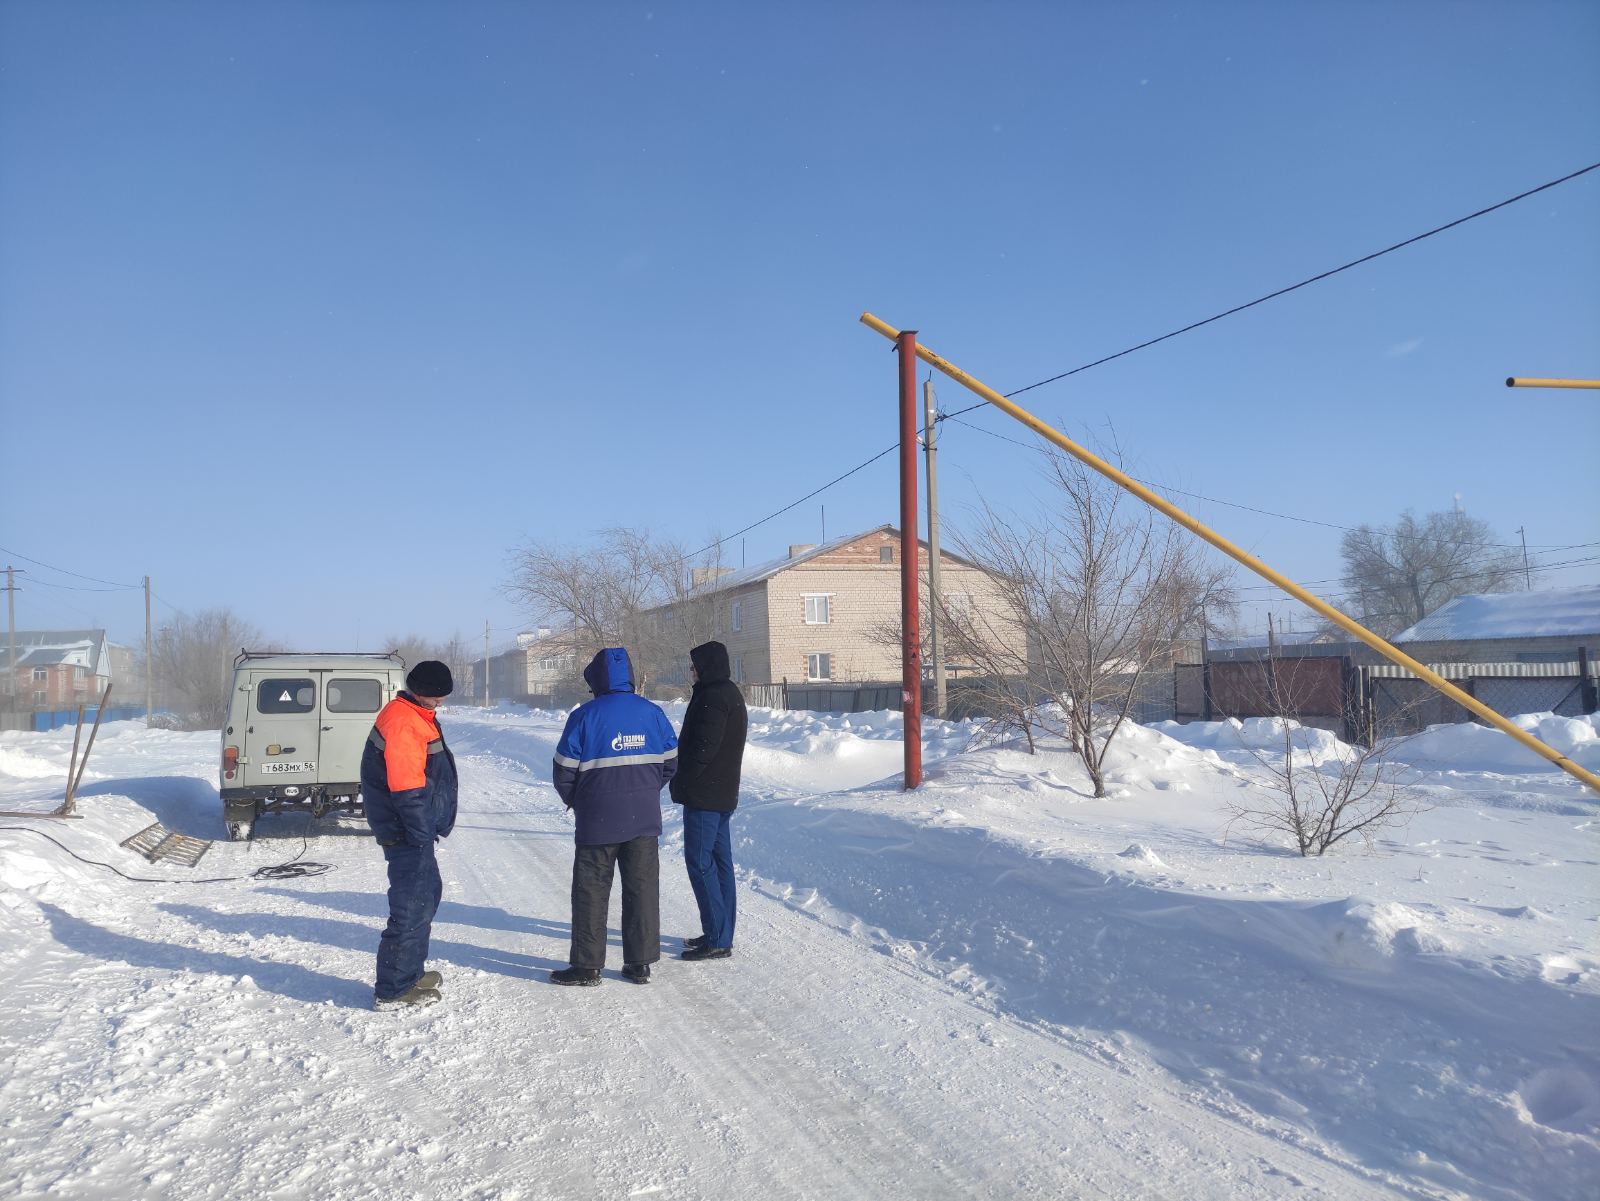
x,y
316,311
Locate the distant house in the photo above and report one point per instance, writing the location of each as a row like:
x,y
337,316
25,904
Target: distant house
x,y
1517,652
1547,626
821,613
55,668
543,669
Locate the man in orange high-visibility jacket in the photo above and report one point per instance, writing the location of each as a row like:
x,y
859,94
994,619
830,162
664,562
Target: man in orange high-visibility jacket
x,y
408,788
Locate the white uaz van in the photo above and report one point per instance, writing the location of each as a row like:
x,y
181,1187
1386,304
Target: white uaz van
x,y
296,727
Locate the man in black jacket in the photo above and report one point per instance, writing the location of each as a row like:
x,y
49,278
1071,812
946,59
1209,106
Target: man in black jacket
x,y
710,752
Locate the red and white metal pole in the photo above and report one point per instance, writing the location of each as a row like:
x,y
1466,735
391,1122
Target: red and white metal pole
x,y
910,618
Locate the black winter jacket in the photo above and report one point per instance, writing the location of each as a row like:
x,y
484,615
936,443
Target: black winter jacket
x,y
711,743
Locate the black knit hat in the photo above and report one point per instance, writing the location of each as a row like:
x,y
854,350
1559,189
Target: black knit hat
x,y
430,678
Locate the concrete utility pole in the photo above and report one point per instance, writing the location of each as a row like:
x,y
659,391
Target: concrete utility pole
x,y
149,661
11,631
485,662
931,453
1527,575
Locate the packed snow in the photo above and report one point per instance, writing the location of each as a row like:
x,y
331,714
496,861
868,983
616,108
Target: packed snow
x,y
995,986
1547,613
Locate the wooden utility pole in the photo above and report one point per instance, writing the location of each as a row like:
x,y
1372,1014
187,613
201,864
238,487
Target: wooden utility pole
x,y
485,662
931,453
1527,574
11,631
149,661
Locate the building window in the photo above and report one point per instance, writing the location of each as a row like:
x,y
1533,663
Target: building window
x,y
738,669
886,554
819,667
39,698
41,674
736,616
817,609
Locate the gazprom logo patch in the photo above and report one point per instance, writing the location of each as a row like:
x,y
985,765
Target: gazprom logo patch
x,y
628,742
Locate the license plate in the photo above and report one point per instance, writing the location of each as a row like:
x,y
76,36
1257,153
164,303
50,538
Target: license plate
x,y
284,769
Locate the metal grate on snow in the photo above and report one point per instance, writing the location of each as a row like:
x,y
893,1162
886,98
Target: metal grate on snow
x,y
156,842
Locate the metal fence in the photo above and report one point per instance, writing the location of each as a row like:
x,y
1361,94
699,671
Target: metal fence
x,y
814,697
1402,704
42,721
966,697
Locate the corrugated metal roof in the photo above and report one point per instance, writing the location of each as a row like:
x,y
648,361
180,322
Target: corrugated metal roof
x,y
1467,671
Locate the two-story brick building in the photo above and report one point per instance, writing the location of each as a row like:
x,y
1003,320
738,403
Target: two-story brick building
x,y
55,668
829,612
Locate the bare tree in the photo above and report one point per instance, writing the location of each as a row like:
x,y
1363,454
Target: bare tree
x,y
194,663
454,654
1397,577
1314,788
624,588
1104,588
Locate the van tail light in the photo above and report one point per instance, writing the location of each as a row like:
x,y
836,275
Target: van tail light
x,y
230,761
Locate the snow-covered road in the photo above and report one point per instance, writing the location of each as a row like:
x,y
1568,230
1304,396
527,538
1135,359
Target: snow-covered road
x,y
215,1040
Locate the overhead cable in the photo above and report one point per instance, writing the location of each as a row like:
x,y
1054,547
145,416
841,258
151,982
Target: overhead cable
x,y
1193,325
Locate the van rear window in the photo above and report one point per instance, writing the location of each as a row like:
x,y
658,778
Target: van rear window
x,y
286,696
354,696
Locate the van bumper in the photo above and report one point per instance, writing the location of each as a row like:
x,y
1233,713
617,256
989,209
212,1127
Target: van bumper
x,y
244,803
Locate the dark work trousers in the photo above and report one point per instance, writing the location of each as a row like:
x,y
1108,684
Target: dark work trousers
x,y
708,854
414,891
592,869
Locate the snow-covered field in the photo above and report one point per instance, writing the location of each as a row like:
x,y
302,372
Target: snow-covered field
x,y
994,987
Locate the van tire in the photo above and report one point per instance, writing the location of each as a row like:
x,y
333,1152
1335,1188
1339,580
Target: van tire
x,y
240,819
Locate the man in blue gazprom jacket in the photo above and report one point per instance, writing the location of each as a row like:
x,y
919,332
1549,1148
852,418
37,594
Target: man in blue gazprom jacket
x,y
615,756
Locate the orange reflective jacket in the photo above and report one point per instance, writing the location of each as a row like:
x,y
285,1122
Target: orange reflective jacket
x,y
406,729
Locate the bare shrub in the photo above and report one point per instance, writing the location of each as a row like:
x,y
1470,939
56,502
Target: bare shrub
x,y
1317,790
1104,588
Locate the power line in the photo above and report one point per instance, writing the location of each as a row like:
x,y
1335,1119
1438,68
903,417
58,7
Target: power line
x,y
1566,565
64,571
1175,333
780,512
1239,308
75,587
1215,500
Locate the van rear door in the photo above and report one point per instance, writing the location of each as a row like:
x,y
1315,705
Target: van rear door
x,y
281,741
350,704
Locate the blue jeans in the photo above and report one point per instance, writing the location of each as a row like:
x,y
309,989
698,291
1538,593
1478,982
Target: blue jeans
x,y
414,891
708,854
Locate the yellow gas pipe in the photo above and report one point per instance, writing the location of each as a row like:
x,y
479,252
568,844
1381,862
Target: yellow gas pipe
x,y
1316,603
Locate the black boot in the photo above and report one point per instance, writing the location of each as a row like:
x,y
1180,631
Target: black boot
x,y
699,940
704,952
586,976
639,973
